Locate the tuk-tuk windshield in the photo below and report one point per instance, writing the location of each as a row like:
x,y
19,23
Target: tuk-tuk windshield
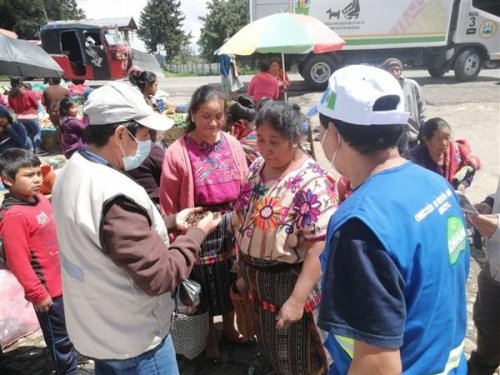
x,y
113,37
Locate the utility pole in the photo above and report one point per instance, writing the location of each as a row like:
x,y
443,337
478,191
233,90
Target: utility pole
x,y
44,11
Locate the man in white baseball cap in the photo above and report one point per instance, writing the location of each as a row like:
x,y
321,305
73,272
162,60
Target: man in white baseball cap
x,y
396,259
118,268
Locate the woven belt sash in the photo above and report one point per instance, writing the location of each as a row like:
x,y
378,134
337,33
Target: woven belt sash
x,y
311,304
212,259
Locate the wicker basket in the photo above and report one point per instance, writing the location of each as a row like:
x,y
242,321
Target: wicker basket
x,y
189,333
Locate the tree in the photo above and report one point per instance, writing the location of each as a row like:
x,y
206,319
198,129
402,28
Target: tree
x,y
160,27
26,17
224,18
63,10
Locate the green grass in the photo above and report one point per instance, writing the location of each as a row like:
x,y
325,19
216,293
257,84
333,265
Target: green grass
x,y
168,73
246,70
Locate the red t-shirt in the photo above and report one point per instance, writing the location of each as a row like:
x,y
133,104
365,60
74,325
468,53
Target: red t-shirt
x,y
29,237
24,104
263,85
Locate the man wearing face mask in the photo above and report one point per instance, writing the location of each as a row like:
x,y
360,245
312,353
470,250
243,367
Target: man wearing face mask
x,y
119,270
148,174
396,257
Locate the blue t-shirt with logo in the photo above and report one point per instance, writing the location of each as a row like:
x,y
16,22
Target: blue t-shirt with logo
x,y
394,272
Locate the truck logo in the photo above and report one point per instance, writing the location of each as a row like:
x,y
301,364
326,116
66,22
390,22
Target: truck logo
x,y
352,10
332,14
487,29
349,12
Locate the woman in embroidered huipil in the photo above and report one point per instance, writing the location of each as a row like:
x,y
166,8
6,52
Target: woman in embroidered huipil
x,y
206,167
280,221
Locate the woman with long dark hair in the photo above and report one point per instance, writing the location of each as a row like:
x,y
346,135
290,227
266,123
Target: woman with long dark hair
x,y
147,82
206,167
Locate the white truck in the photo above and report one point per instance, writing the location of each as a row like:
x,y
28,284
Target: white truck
x,y
463,35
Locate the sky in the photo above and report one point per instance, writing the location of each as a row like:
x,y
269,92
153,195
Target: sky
x,y
96,9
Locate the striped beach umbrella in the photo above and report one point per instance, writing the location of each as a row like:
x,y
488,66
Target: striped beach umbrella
x,y
283,33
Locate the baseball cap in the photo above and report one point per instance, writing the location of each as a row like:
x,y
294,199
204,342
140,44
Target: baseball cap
x,y
118,102
352,92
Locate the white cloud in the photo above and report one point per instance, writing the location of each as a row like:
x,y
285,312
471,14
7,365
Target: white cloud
x,y
192,9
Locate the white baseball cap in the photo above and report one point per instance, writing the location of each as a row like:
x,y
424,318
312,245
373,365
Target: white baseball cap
x,y
353,90
118,102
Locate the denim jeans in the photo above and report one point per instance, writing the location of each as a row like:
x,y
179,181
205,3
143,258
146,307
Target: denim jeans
x,y
159,361
56,337
34,132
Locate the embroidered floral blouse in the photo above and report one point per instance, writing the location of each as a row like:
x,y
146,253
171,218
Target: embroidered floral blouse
x,y
216,177
274,220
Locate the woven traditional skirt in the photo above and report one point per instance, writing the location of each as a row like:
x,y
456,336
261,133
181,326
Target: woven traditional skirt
x,y
212,269
297,349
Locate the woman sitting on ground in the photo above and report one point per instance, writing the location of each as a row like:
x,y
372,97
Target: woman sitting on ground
x,y
240,117
450,158
71,129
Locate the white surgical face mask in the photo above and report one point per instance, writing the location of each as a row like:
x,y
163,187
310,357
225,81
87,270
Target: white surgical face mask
x,y
324,137
334,156
142,152
332,161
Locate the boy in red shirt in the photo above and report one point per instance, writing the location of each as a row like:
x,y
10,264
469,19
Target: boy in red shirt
x,y
30,241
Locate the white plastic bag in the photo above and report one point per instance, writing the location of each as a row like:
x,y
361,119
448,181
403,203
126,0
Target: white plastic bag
x,y
17,316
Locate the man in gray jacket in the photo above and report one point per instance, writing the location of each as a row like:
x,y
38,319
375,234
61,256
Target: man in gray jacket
x,y
119,270
414,102
486,358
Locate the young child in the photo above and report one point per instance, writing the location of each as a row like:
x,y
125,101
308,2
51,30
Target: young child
x,y
30,242
71,130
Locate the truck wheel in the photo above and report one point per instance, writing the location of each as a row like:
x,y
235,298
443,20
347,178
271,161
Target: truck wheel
x,y
300,68
468,65
437,71
317,70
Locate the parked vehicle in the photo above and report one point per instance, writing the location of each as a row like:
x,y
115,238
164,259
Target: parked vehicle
x,y
462,35
86,51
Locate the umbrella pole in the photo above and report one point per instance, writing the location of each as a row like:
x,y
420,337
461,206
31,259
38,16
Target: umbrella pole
x,y
283,70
